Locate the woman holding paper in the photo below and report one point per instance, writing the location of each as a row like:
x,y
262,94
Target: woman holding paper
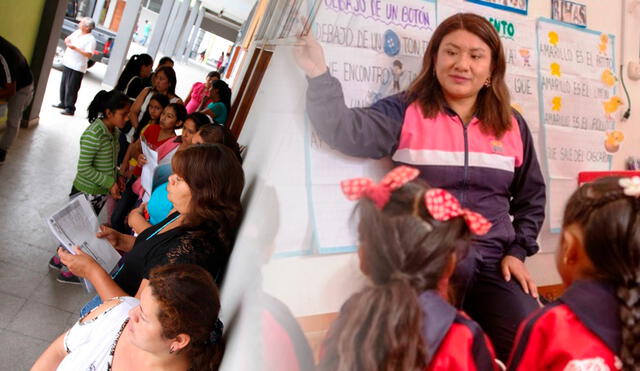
x,y
205,191
97,175
456,125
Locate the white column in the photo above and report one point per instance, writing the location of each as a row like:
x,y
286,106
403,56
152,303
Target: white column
x,y
123,40
159,29
97,11
177,27
110,11
194,35
186,31
169,26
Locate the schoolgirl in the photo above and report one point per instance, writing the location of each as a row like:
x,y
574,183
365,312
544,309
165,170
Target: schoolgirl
x,y
97,176
595,325
151,117
410,238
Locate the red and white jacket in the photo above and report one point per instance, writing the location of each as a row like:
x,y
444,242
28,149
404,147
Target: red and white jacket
x,y
454,342
581,331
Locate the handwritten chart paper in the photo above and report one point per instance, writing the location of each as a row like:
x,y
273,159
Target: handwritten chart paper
x,y
577,103
375,49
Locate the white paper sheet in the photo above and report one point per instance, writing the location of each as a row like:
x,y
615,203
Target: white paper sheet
x,y
149,168
76,225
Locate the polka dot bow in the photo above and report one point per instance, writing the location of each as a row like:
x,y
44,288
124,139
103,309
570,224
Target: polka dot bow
x,y
443,206
380,194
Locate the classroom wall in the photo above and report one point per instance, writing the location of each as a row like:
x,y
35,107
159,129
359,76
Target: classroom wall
x,y
20,23
315,284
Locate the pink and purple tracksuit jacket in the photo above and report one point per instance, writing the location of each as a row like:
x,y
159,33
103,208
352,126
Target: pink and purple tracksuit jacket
x,y
499,178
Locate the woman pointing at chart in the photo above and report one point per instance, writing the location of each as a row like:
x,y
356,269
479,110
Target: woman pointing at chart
x,y
455,124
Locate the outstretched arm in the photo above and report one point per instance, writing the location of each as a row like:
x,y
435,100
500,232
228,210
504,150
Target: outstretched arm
x,y
363,132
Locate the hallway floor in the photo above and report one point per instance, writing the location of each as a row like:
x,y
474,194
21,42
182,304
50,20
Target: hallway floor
x,y
34,181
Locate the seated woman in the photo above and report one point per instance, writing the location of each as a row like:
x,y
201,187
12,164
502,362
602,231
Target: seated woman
x,y
159,206
174,326
199,93
205,191
220,97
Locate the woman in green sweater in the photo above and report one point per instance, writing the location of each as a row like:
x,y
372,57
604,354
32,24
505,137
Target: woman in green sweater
x,y
97,175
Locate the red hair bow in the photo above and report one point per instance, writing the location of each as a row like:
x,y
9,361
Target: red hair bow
x,y
443,206
380,194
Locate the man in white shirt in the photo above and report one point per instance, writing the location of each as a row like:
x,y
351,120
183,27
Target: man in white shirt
x,y
80,47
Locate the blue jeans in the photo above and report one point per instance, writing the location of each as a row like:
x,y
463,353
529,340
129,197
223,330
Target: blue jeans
x,y
91,304
95,301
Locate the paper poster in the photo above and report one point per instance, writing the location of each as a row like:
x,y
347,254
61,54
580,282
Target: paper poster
x,y
519,43
578,104
375,49
560,190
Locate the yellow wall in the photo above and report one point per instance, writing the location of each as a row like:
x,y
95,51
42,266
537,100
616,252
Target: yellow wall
x,y
20,23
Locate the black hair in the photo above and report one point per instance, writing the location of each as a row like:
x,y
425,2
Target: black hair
x,y
200,119
397,63
404,251
609,221
146,117
216,133
224,92
180,110
213,74
160,98
171,76
132,69
106,100
164,60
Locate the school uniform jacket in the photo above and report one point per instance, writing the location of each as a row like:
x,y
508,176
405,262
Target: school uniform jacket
x,y
498,178
454,342
581,331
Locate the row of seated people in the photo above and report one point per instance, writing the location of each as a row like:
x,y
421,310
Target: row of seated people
x,y
186,218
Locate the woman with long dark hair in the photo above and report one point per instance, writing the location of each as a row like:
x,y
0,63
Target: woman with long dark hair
x,y
164,82
136,71
456,125
220,106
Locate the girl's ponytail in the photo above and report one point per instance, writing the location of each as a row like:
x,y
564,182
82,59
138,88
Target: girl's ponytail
x,y
207,357
404,251
629,296
96,107
379,328
106,100
610,224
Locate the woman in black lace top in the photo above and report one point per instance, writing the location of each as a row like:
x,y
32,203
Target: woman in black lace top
x,y
205,191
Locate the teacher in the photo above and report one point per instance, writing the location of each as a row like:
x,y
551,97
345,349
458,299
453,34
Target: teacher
x,y
455,124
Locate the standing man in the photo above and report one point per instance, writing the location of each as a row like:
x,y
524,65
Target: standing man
x,y
80,47
16,86
146,31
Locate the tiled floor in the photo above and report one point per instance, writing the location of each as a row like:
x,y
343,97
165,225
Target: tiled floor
x,y
34,181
